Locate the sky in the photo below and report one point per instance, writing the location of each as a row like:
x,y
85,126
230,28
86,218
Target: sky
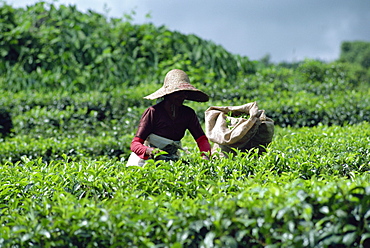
x,y
285,30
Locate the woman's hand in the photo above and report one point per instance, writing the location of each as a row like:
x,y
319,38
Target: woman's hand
x,y
151,152
205,157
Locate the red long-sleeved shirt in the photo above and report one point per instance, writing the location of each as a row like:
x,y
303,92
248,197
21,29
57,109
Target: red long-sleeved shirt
x,y
156,120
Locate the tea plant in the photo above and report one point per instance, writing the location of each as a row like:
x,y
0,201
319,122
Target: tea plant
x,y
73,97
280,198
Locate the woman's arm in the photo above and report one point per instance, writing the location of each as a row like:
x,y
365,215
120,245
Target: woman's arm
x,y
204,145
138,147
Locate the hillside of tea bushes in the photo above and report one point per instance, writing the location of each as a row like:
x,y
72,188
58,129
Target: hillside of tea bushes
x,y
72,85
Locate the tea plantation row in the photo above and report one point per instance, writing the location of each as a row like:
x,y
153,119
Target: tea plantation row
x,y
84,122
311,189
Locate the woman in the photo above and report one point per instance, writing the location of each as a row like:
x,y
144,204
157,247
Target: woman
x,y
163,125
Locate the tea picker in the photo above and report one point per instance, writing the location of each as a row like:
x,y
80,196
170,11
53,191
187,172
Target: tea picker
x,y
163,125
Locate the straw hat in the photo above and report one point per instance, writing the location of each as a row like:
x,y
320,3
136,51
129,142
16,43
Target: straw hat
x,y
178,80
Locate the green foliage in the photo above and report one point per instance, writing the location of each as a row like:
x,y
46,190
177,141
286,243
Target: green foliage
x,y
68,52
72,85
357,52
313,93
44,47
250,202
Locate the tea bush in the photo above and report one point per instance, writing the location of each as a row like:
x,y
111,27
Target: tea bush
x,y
313,194
72,85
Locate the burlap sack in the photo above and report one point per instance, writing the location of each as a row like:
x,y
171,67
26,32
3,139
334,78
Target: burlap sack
x,y
227,130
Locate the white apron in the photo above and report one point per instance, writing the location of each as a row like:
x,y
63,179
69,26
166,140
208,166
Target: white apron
x,y
153,140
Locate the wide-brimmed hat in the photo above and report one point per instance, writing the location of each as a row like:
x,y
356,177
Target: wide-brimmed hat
x,y
177,80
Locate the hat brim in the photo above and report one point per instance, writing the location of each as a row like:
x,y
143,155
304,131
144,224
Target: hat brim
x,y
193,94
